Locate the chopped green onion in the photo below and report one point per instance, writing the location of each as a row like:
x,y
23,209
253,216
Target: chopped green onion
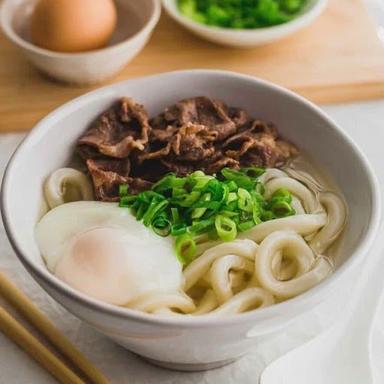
x,y
283,194
202,226
153,209
161,225
175,215
187,199
123,190
226,228
253,172
241,14
201,205
245,200
198,174
127,201
232,196
239,178
232,186
200,181
168,182
267,215
282,209
228,213
147,196
259,188
185,248
198,212
256,213
246,225
178,229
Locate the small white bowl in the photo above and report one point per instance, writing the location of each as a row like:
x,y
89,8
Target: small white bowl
x,y
136,21
244,38
200,342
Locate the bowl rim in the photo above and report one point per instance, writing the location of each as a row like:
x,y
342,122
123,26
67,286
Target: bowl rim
x,y
303,19
9,31
300,303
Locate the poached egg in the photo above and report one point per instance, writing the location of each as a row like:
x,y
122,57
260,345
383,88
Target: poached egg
x,y
101,250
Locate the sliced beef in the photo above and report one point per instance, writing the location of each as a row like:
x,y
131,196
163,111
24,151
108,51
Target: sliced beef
x,y
107,175
137,185
203,111
191,142
179,168
123,147
237,115
119,131
163,134
257,145
219,164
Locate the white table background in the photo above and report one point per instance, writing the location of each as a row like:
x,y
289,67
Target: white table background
x,y
363,121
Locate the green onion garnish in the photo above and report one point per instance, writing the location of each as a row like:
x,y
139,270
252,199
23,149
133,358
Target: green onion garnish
x,y
123,190
216,206
241,14
161,225
225,228
185,248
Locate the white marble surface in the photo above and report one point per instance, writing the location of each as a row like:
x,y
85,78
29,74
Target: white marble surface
x,y
363,121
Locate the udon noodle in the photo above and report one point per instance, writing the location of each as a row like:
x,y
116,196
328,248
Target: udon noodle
x,y
65,185
273,261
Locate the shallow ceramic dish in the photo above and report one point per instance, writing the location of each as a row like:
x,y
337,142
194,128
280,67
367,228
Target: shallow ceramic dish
x,y
247,37
199,342
136,21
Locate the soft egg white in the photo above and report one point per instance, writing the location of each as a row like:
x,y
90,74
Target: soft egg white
x,y
101,250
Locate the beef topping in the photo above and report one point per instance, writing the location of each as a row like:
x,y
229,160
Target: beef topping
x,y
118,131
124,147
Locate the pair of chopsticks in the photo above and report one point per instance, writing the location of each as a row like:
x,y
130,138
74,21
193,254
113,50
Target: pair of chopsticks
x,y
21,336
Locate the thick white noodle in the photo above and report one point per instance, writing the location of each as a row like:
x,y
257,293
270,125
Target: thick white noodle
x,y
306,179
297,189
156,302
238,279
294,247
249,298
297,206
207,303
336,218
219,274
165,311
204,246
200,266
65,185
302,224
204,281
253,282
283,269
271,173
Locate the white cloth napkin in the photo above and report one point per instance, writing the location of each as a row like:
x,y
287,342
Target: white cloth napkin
x,y
363,121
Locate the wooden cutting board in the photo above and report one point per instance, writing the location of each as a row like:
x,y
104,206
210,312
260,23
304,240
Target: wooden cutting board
x,y
338,58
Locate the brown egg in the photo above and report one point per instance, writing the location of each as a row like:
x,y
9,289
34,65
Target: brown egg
x,y
73,25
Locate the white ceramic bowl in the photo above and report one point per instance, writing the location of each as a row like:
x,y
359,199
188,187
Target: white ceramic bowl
x,y
247,37
136,21
199,342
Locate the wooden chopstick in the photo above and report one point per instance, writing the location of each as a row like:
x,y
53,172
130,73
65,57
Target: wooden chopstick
x,y
15,331
29,310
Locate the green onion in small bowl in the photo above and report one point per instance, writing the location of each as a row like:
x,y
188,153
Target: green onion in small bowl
x,y
241,14
244,23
